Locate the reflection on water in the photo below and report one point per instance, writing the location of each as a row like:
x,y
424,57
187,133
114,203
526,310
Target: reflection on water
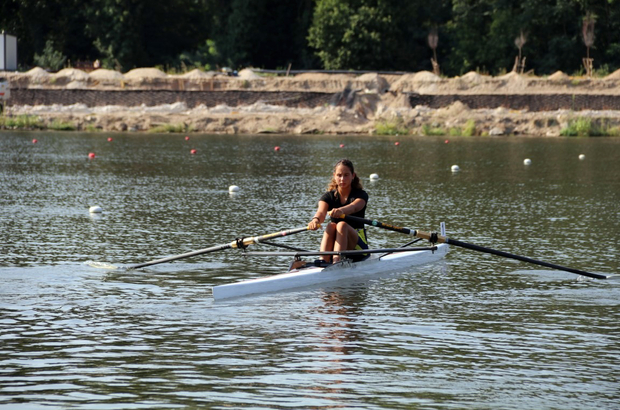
x,y
475,331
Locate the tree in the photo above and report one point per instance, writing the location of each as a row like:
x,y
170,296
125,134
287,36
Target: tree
x,y
351,34
266,33
51,58
143,33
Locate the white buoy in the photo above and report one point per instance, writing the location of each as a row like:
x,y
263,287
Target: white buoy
x,y
374,177
233,188
582,157
527,161
95,209
455,168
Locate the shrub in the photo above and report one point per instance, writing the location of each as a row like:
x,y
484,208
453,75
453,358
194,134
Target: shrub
x,y
391,127
429,130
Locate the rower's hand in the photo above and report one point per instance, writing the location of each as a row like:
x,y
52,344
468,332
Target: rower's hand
x,y
336,213
313,225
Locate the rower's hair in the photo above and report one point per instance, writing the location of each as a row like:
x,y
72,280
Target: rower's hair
x,y
355,184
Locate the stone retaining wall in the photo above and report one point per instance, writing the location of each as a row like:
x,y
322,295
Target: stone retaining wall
x,y
132,98
235,98
530,102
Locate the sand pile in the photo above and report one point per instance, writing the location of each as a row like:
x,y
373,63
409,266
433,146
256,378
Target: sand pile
x,y
72,74
559,77
103,74
197,74
145,73
37,72
613,76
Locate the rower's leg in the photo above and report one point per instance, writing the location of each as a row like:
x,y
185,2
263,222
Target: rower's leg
x,y
345,236
327,243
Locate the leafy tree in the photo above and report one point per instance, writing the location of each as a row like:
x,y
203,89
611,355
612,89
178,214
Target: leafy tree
x,y
51,58
376,35
36,22
350,34
205,57
266,33
141,33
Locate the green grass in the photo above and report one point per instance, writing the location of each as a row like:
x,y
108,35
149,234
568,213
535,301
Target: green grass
x,y
467,131
391,127
21,122
171,128
429,130
58,125
585,127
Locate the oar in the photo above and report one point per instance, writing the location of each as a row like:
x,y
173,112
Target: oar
x,y
433,237
240,243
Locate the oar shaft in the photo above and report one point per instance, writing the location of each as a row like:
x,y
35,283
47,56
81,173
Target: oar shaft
x,y
184,255
523,258
442,239
234,244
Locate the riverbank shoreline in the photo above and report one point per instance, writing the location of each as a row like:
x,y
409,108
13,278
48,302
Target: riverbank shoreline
x,y
314,104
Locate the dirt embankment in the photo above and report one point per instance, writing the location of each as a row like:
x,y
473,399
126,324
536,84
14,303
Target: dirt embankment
x,y
365,104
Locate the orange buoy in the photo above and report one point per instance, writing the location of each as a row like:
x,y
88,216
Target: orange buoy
x,y
91,155
276,148
193,151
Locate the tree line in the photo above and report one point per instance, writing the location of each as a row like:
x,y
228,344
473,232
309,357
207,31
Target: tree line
x,y
380,35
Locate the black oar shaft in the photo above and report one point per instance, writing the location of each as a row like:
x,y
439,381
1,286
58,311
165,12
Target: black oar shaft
x,y
184,255
234,244
442,239
523,258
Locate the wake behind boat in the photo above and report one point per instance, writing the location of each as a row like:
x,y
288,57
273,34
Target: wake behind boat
x,y
381,261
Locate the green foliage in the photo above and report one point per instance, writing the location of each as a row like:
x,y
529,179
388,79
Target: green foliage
x,y
58,125
470,128
350,37
51,58
313,34
205,57
467,131
585,127
171,128
21,122
391,127
429,130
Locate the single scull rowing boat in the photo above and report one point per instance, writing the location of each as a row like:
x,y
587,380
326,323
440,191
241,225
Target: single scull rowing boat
x,y
392,260
302,274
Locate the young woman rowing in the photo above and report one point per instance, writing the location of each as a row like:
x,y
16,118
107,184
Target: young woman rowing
x,y
345,196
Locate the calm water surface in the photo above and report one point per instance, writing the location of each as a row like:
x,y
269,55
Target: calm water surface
x,y
475,331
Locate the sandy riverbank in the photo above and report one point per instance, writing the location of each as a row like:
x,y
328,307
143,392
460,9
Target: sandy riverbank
x,y
380,105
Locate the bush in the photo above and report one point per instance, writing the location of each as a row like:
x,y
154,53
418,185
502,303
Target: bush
x,y
585,127
50,59
429,130
391,127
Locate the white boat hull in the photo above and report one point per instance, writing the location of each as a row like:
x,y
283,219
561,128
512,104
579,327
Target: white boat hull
x,y
316,275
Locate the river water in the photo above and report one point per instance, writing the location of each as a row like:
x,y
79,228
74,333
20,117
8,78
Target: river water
x,y
474,331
